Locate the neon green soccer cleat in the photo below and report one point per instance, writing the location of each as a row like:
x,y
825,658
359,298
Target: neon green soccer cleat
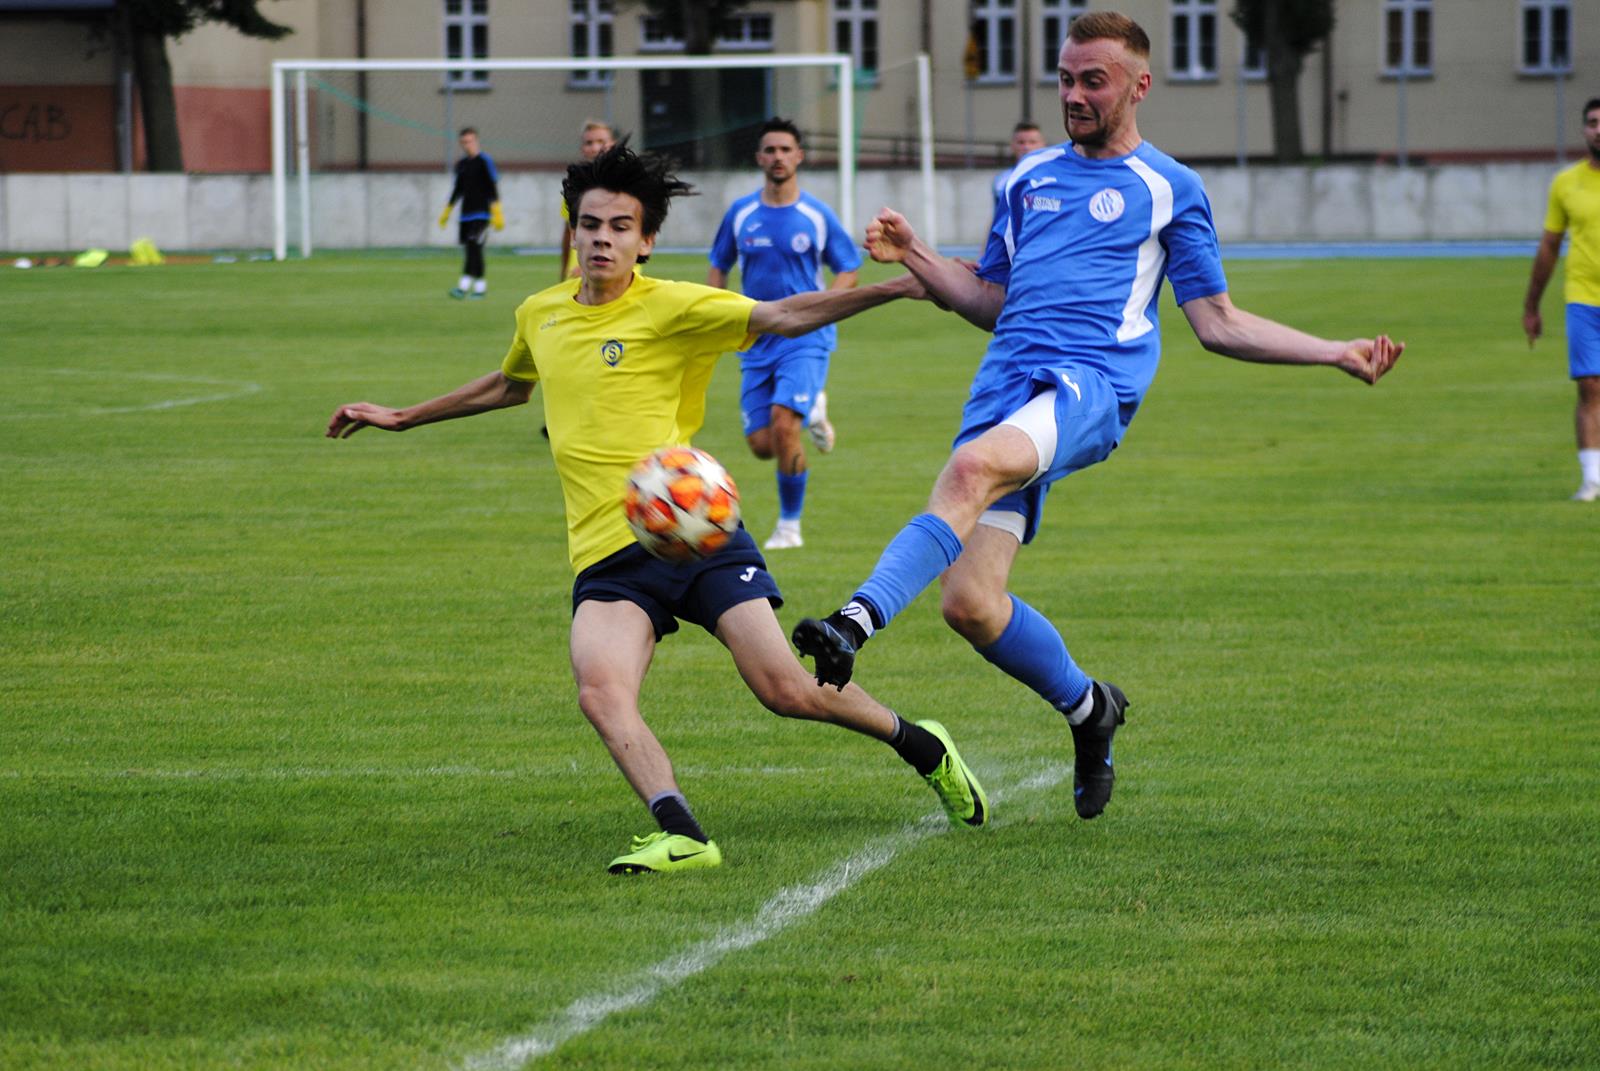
x,y
958,789
664,853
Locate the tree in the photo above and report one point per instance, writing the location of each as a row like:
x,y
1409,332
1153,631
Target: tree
x,y
149,24
697,22
1287,31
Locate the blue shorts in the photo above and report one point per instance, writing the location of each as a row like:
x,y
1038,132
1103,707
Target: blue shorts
x,y
794,381
1088,427
1583,340
699,592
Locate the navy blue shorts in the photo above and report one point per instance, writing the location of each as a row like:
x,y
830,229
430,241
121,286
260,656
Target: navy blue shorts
x,y
699,592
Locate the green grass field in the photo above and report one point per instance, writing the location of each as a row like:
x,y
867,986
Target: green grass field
x,y
292,774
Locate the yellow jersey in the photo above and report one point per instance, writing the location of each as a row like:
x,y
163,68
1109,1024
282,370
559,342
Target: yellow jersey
x,y
620,380
1575,208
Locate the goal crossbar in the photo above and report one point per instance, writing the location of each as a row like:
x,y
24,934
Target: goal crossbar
x,y
841,63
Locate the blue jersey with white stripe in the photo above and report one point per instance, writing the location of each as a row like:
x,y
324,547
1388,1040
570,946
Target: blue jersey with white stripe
x,y
1081,248
782,251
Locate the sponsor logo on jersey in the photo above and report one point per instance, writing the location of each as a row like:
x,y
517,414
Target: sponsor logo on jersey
x,y
759,241
1038,202
548,323
1107,205
800,242
611,352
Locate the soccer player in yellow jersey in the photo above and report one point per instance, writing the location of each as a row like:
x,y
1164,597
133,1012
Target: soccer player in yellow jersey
x,y
595,138
624,360
1575,208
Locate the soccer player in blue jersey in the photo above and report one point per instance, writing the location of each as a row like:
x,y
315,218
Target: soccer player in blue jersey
x,y
1068,284
477,187
1026,137
781,238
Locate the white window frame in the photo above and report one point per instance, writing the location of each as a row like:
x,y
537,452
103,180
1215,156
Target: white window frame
x,y
1408,10
1060,13
994,14
1545,10
466,18
744,39
1198,13
592,16
853,16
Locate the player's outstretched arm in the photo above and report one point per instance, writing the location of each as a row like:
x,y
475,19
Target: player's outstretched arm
x,y
1224,328
493,391
951,284
1544,265
800,314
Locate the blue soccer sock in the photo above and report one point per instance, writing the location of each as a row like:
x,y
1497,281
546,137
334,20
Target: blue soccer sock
x,y
791,495
1032,651
925,547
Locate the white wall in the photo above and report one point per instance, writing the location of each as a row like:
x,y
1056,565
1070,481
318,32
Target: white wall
x,y
184,212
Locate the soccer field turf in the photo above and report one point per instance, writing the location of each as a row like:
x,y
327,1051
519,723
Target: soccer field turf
x,y
292,773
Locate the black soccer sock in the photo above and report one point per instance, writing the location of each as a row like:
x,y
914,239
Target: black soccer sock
x,y
671,810
916,745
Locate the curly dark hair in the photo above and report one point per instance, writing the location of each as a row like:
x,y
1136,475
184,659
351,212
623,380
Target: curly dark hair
x,y
643,175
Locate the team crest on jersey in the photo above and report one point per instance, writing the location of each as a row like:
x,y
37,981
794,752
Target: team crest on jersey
x,y
800,242
611,352
1107,205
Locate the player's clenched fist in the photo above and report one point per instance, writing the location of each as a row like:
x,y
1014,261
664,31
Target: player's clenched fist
x,y
889,237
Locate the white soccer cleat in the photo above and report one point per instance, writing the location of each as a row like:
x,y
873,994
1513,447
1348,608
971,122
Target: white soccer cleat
x,y
784,537
817,424
1587,493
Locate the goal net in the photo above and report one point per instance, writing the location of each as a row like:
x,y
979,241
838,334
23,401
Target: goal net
x,y
363,150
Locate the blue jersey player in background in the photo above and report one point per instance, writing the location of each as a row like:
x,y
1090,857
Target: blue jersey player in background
x,y
1068,284
780,238
1026,137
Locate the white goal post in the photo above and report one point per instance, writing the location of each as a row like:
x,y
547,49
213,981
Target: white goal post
x,y
840,65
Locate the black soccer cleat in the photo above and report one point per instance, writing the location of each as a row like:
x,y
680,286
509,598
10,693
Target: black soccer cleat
x,y
832,643
1093,774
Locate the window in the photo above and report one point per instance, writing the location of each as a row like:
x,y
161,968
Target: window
x,y
1407,37
855,32
590,23
738,33
1253,60
1194,40
1546,36
466,36
994,30
1054,18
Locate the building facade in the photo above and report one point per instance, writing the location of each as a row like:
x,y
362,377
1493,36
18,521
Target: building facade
x,y
1422,80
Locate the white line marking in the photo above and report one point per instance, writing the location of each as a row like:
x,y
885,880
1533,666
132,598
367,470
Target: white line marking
x,y
240,389
784,909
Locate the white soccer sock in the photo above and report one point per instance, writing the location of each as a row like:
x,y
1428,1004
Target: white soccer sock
x,y
1589,462
466,281
1080,713
858,613
480,286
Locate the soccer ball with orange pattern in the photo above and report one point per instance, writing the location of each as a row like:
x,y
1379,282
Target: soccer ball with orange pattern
x,y
681,504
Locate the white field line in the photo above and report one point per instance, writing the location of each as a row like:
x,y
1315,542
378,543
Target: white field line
x,y
237,389
363,773
786,907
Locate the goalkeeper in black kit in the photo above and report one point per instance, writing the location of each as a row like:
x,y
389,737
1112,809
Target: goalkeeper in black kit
x,y
477,188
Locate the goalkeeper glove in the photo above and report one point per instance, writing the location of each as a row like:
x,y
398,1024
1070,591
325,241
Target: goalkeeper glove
x,y
444,217
497,218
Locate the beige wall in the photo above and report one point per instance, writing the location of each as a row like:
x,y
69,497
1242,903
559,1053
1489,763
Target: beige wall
x,y
1476,102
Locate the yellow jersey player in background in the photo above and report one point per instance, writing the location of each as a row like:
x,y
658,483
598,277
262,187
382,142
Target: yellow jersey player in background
x,y
1575,207
625,361
595,138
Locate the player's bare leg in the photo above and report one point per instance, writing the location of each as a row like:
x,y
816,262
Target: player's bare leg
x,y
612,644
784,442
753,636
1586,419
